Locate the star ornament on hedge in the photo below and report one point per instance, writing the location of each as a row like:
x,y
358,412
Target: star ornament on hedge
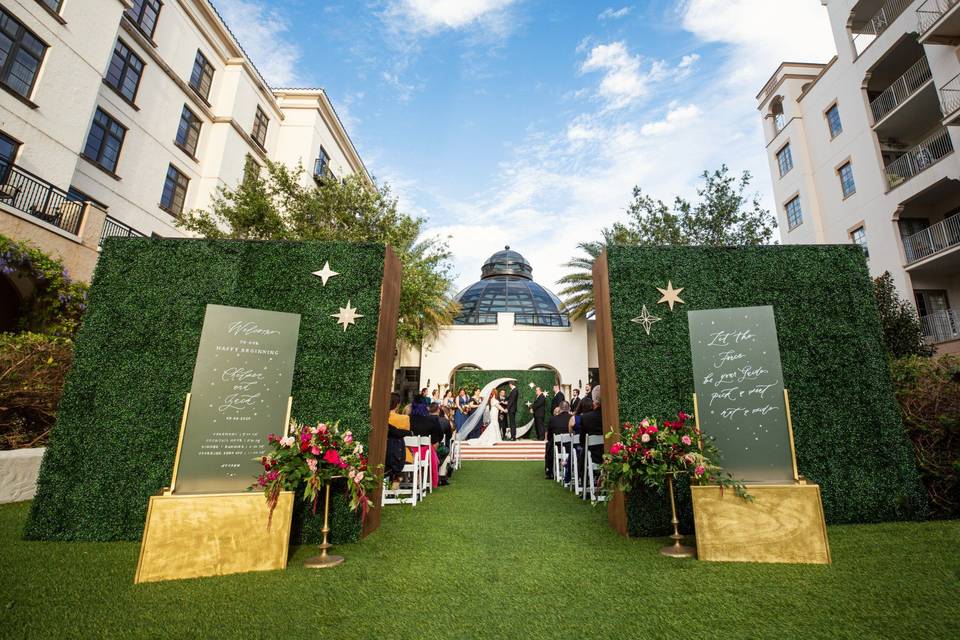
x,y
646,319
670,295
346,316
326,273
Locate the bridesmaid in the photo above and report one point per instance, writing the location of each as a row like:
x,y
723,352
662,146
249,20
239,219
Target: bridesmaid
x,y
462,403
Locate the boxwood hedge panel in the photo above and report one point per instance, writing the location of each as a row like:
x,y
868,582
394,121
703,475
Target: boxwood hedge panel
x,y
849,438
116,434
539,377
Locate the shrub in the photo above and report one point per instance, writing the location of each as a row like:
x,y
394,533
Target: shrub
x,y
902,334
32,370
929,393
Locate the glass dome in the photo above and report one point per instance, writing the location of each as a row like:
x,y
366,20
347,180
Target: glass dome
x,y
506,285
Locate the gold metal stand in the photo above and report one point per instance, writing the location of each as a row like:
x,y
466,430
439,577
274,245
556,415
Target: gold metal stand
x,y
323,560
676,550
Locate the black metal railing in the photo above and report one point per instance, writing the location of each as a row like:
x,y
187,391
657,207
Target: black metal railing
x,y
36,197
322,170
115,229
519,318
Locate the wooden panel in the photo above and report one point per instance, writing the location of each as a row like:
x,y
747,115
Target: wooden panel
x,y
191,536
784,523
609,400
382,383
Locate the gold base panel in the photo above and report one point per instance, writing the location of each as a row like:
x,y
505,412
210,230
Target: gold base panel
x,y
192,536
784,523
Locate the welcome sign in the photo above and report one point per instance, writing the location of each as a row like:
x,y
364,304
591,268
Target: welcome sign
x,y
739,384
241,384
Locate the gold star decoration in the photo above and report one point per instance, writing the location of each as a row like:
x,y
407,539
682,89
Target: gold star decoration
x,y
670,295
326,273
346,316
646,319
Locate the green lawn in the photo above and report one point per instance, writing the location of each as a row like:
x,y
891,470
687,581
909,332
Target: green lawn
x,y
501,553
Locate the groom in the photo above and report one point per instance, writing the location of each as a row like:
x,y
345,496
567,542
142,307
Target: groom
x,y
512,409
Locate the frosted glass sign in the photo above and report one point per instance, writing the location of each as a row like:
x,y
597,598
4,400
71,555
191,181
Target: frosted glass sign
x,y
241,384
739,384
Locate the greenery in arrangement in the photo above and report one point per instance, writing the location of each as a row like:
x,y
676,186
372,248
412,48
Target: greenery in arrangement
x,y
848,433
535,561
725,214
929,393
32,369
902,333
543,378
273,204
57,302
135,354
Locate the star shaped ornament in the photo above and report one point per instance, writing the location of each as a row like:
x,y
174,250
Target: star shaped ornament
x,y
346,316
670,295
326,273
646,319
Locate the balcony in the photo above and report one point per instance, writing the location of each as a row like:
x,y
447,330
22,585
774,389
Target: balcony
x,y
903,88
866,31
37,198
939,22
113,228
919,158
940,326
950,100
932,240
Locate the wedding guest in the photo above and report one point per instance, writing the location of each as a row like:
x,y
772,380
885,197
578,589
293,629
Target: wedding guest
x,y
539,409
434,397
575,426
558,397
591,424
558,424
574,400
398,427
426,426
587,388
443,444
422,397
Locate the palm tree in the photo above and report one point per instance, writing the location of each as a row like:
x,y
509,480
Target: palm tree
x,y
577,285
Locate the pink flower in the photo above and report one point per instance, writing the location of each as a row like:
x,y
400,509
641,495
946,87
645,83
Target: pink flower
x,y
652,429
358,449
347,437
686,440
321,428
645,437
305,435
312,463
699,471
332,457
315,450
644,423
688,458
352,474
616,448
272,437
273,475
358,478
286,442
262,480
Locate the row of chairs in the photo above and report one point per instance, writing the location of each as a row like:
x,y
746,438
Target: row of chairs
x,y
583,470
417,480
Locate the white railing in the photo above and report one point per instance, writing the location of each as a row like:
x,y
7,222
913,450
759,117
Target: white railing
x,y
950,95
933,239
919,158
901,89
878,23
940,326
932,10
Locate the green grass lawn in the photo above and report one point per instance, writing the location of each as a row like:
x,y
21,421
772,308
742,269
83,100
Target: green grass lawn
x,y
500,553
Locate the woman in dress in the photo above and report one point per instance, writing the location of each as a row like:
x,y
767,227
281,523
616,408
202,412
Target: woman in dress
x,y
462,408
491,434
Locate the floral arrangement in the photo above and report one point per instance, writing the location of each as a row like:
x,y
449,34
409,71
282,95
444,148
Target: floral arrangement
x,y
308,457
646,454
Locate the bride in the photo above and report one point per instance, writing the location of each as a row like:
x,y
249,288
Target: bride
x,y
491,435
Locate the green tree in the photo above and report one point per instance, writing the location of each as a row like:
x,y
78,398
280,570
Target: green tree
x,y
902,333
724,214
276,204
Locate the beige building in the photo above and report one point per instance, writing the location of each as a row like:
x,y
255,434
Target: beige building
x,y
861,149
118,115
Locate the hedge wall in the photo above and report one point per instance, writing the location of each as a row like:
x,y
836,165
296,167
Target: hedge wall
x,y
847,428
539,378
116,434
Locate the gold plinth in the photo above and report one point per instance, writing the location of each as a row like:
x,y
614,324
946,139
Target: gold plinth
x,y
784,523
676,550
324,560
191,536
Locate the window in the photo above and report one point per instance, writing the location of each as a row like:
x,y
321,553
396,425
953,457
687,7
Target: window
x,y
779,121
794,214
104,142
144,14
859,236
846,180
21,53
53,5
174,191
260,124
785,160
833,121
188,132
201,79
125,71
8,154
322,167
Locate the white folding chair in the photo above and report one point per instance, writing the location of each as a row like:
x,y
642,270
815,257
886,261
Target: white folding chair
x,y
574,465
560,442
426,467
455,451
591,467
407,489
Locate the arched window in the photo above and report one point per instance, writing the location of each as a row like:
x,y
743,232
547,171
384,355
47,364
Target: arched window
x,y
776,111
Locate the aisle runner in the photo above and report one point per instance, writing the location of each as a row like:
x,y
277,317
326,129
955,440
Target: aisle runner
x,y
519,450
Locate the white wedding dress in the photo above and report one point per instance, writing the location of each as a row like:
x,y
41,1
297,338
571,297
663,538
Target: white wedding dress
x,y
491,435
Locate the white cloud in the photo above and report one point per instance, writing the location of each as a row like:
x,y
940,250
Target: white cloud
x,y
262,33
436,15
622,82
676,117
613,14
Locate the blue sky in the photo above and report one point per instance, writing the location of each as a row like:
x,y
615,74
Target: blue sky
x,y
528,122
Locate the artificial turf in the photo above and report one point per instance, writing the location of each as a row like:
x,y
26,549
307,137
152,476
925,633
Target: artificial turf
x,y
500,553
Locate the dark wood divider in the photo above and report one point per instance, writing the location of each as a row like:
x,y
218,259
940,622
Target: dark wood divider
x,y
616,509
382,383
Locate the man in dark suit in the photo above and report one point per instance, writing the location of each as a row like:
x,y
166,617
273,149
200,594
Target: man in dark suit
x,y
502,416
558,397
539,409
512,399
559,423
574,400
591,424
